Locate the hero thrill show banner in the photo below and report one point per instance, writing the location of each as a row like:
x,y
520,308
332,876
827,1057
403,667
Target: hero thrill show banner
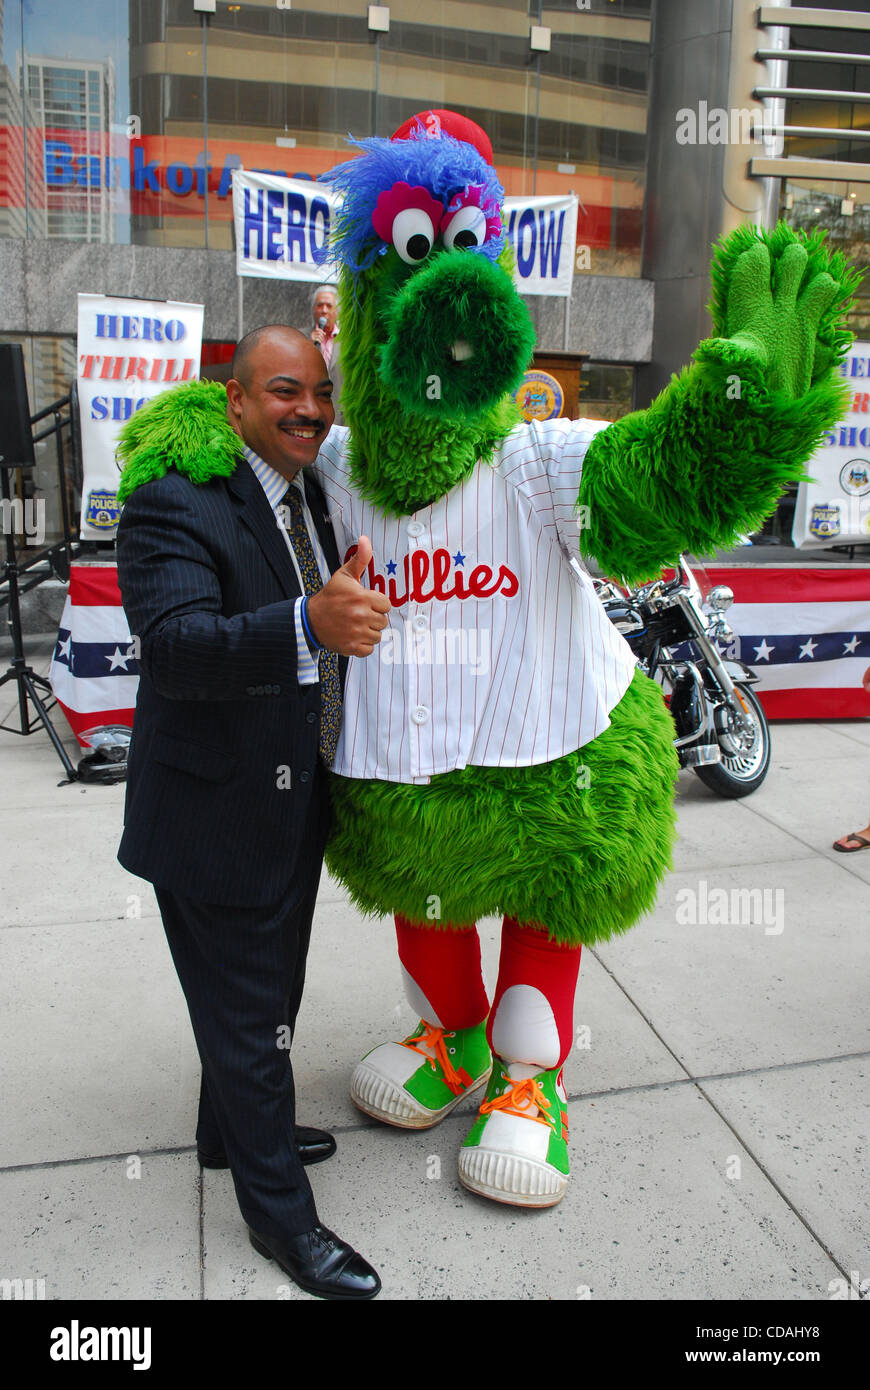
x,y
129,350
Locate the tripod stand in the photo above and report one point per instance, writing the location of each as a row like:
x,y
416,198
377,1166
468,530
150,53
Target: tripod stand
x,y
27,680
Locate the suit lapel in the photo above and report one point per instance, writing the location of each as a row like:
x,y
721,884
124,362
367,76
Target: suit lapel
x,y
258,516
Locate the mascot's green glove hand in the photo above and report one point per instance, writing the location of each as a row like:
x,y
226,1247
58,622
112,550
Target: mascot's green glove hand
x,y
774,319
778,301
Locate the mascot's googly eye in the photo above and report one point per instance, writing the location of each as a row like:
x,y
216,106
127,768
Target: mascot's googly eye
x,y
473,221
465,228
413,235
407,217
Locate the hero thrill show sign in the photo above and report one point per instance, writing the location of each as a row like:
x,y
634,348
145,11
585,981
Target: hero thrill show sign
x,y
834,509
129,350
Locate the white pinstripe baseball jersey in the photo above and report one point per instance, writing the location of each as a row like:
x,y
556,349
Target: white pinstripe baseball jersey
x,y
498,652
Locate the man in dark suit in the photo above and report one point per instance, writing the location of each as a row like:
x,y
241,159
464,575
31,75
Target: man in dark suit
x,y
227,586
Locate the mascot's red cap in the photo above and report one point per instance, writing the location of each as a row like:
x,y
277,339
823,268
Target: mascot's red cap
x,y
437,123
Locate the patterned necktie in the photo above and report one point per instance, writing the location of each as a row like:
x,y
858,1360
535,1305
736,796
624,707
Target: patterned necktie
x,y
330,685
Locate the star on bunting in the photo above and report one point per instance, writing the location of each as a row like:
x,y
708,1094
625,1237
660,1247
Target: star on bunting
x,y
118,659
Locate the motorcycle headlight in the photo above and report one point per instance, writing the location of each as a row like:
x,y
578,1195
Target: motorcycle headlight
x,y
720,598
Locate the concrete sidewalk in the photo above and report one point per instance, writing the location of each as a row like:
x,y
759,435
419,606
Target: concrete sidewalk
x,y
719,1097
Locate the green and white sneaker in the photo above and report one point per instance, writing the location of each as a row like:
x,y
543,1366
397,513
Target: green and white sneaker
x,y
517,1149
415,1083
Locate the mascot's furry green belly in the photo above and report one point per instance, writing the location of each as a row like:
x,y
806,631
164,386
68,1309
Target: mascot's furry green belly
x,y
579,844
498,754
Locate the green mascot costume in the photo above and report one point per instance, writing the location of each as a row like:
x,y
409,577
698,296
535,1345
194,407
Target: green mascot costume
x,y
500,754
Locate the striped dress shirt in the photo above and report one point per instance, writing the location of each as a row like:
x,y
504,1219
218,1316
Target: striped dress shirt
x,y
275,486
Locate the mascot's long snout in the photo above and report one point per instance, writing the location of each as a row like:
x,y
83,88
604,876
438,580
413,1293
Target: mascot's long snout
x,y
458,336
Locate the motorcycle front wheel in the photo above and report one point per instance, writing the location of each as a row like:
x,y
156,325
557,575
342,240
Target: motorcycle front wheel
x,y
745,758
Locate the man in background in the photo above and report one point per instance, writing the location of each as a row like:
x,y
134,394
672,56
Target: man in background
x,y
324,310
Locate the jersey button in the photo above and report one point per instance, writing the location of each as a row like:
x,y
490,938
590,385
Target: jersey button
x,y
415,528
421,623
310,717
420,714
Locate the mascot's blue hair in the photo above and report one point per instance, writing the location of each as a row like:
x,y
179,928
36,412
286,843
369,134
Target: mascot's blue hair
x,y
444,166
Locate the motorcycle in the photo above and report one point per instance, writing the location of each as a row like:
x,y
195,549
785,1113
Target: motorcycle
x,y
675,627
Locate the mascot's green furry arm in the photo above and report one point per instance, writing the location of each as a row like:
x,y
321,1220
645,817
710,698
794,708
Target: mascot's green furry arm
x,y
711,455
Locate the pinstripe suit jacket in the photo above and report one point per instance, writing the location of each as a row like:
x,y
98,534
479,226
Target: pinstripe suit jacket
x,y
208,586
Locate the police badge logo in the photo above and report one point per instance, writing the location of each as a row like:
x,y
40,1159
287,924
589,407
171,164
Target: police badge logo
x,y
825,522
102,512
855,477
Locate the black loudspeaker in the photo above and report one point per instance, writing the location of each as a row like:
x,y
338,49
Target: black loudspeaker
x,y
16,436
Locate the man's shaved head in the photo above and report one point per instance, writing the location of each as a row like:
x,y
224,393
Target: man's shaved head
x,y
279,397
241,368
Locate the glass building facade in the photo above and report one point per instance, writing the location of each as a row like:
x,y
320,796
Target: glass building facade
x,y
129,119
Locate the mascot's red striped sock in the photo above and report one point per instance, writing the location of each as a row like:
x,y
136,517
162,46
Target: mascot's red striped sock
x,y
532,1018
443,980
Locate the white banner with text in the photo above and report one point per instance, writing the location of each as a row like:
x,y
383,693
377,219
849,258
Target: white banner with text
x,y
834,509
281,225
129,350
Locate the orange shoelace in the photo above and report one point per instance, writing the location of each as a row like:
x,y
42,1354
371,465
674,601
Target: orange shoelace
x,y
433,1038
519,1099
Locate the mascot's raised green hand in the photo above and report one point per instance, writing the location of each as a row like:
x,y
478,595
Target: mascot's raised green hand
x,y
708,459
778,298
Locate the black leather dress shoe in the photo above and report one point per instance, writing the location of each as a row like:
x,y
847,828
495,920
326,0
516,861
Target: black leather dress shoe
x,y
312,1145
322,1264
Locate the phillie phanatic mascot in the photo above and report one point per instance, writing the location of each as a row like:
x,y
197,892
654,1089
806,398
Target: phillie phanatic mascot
x,y
500,753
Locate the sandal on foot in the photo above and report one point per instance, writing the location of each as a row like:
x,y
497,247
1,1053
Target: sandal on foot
x,y
852,849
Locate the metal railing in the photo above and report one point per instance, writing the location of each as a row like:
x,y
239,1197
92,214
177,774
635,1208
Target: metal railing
x,y
55,558
797,166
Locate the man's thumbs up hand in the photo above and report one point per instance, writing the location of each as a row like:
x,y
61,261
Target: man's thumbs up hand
x,y
356,565
344,616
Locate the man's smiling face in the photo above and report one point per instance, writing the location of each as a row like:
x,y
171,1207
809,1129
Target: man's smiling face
x,y
280,401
